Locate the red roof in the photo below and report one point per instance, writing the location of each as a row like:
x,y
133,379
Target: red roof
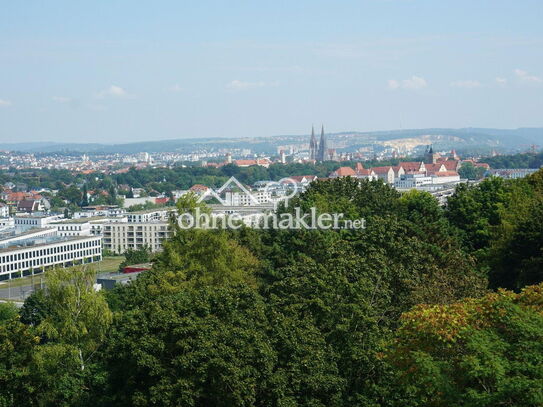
x,y
446,173
451,165
18,196
245,162
381,170
345,172
365,172
359,167
198,187
411,165
433,167
161,201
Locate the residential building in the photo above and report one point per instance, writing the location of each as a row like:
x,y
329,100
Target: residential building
x,y
119,237
148,215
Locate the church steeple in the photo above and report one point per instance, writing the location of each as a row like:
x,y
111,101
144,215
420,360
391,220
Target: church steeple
x,y
313,145
323,149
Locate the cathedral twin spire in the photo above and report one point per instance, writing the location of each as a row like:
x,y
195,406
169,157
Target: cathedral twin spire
x,y
318,151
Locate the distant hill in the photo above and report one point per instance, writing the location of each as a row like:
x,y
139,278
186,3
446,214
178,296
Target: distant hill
x,y
468,138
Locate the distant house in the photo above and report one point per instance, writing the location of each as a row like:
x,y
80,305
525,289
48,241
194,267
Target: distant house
x,y
198,189
413,166
385,173
33,205
263,162
303,180
431,169
360,172
343,172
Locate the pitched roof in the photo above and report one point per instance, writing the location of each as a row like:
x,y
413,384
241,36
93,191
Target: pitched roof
x,y
451,165
411,165
29,204
365,172
382,170
435,167
345,172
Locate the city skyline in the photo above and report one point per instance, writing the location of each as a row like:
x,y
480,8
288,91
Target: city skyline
x,y
117,73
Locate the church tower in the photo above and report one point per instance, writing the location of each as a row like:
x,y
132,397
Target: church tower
x,y
323,149
313,148
430,157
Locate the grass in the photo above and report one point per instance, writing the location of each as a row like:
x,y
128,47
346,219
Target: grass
x,y
109,264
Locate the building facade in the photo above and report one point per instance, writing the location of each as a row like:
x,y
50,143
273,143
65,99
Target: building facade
x,y
35,256
119,237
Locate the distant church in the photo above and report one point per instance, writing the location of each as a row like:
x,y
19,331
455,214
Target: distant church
x,y
318,151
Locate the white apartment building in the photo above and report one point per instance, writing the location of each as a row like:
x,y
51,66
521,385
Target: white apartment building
x,y
149,215
27,222
91,212
73,227
35,255
244,199
118,237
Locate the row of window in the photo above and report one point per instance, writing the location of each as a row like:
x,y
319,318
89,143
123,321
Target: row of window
x,y
41,261
48,251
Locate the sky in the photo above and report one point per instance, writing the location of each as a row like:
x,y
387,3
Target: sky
x,y
125,71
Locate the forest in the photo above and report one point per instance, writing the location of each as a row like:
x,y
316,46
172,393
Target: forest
x,y
427,306
521,160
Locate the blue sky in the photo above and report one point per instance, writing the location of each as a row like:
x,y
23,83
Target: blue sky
x,y
121,71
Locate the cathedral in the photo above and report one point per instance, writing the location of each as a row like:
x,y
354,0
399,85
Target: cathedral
x,y
318,151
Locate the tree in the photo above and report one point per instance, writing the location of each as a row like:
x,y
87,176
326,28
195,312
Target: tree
x,y
200,347
17,347
35,308
481,352
85,199
78,315
470,171
136,256
8,311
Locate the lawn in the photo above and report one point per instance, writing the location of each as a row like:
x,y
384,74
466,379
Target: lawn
x,y
108,264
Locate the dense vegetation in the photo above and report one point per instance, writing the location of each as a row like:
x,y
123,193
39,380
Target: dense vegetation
x,y
521,160
403,313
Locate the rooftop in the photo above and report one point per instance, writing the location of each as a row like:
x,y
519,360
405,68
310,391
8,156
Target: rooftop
x,y
40,242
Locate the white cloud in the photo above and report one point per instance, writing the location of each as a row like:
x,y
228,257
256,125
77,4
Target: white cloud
x,y
61,99
526,77
5,103
501,81
176,88
413,83
243,85
113,91
468,84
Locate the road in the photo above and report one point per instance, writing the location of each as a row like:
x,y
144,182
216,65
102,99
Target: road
x,y
20,289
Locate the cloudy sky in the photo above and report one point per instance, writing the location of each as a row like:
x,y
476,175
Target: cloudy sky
x,y
119,71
